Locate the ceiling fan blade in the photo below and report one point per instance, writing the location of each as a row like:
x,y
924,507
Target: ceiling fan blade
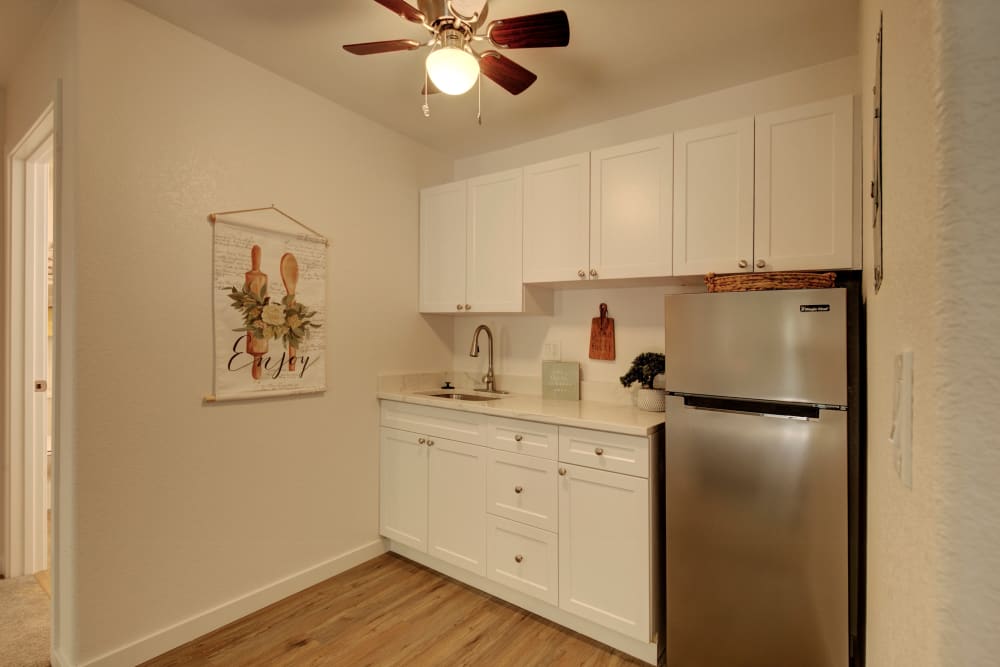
x,y
368,48
432,9
505,72
404,9
531,31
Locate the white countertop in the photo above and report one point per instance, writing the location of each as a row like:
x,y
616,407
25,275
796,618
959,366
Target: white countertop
x,y
628,420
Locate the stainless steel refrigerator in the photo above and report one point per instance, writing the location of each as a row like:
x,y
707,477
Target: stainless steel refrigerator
x,y
757,479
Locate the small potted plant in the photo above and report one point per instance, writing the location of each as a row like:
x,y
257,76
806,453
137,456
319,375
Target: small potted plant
x,y
645,368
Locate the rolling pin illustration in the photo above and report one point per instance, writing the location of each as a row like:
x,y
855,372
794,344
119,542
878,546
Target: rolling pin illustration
x,y
256,282
290,277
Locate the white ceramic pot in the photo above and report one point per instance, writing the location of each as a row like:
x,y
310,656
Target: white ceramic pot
x,y
652,400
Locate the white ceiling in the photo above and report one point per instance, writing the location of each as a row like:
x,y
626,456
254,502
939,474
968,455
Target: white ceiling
x,y
623,56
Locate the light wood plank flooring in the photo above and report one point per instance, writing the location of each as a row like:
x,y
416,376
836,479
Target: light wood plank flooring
x,y
391,611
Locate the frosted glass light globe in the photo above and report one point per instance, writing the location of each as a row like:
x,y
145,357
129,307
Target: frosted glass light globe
x,y
452,70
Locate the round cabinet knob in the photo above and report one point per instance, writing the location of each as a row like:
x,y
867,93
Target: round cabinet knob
x,y
593,273
599,451
761,264
562,471
430,443
518,438
581,273
458,306
468,307
421,440
743,264
518,558
518,489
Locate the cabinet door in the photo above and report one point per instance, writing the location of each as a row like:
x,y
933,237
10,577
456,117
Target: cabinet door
x,y
493,243
403,488
713,199
457,504
557,220
604,563
631,195
442,248
804,204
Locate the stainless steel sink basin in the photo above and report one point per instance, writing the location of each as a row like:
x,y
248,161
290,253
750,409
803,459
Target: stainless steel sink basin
x,y
457,396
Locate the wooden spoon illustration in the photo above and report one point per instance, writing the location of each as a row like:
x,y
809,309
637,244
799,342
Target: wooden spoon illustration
x,y
290,277
256,281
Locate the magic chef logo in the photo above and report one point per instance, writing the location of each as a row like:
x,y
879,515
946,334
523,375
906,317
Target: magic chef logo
x,y
815,308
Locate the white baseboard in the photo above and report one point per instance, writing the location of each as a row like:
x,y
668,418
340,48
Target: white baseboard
x,y
161,641
648,652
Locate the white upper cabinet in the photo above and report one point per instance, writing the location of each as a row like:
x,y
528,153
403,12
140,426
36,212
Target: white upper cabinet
x,y
493,243
557,220
631,210
713,198
804,204
442,248
470,245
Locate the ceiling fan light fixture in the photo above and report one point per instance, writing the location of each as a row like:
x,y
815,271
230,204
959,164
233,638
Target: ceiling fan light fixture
x,y
451,66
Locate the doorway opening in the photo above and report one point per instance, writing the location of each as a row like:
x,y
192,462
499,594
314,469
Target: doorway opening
x,y
29,411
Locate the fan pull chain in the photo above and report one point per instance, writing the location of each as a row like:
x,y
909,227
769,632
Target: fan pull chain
x,y
426,107
479,93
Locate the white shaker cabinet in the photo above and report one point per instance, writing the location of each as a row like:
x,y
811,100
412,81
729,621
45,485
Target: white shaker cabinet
x,y
631,212
713,198
557,220
471,247
804,201
442,248
403,488
493,243
456,500
604,548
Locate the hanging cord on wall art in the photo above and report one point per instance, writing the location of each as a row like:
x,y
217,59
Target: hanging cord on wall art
x,y
212,217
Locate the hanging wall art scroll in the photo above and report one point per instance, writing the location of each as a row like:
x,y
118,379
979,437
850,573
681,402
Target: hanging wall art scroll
x,y
269,301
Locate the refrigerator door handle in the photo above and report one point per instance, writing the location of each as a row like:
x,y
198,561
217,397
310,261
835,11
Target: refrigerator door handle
x,y
752,407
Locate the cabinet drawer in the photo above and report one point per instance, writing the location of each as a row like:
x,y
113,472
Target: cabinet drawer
x,y
444,423
522,488
523,558
523,437
615,452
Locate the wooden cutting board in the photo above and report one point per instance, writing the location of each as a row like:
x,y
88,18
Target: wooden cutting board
x,y
602,336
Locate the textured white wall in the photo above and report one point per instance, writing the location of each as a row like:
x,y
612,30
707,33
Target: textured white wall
x,y
638,312
933,550
180,507
967,379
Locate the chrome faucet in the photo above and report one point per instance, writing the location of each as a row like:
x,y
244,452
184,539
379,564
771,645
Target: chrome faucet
x,y
491,385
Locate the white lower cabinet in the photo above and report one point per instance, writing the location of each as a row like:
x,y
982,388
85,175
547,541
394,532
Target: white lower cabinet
x,y
403,488
604,550
524,558
455,499
523,488
560,520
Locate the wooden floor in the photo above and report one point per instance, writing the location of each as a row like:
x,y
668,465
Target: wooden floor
x,y
391,611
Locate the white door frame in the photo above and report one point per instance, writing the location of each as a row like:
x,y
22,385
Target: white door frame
x,y
26,320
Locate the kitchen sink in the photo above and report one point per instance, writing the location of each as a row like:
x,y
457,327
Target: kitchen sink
x,y
457,396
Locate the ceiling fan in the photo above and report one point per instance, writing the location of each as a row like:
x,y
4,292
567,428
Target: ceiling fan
x,y
453,66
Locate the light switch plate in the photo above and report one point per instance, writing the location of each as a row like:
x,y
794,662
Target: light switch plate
x,y
551,351
901,432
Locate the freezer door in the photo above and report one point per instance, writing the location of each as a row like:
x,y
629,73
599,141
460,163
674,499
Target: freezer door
x,y
784,345
756,538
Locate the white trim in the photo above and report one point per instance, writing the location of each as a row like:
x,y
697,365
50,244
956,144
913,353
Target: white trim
x,y
645,651
184,631
25,546
57,659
